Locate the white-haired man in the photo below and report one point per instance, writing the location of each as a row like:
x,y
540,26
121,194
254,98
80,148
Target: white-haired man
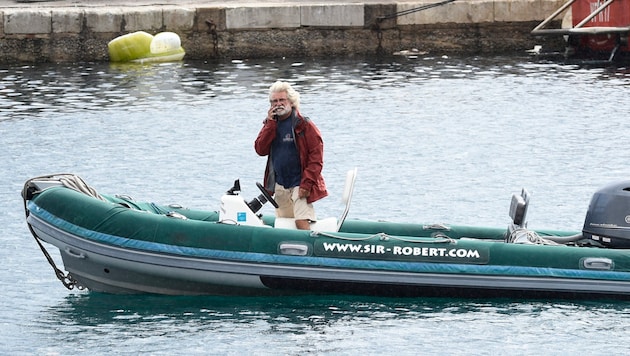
x,y
295,151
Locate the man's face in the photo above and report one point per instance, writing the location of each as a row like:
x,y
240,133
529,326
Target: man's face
x,y
281,104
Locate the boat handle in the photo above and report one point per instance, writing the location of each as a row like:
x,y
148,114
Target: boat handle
x,y
294,249
598,263
74,254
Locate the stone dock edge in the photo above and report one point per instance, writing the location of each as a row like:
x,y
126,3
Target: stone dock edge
x,y
234,30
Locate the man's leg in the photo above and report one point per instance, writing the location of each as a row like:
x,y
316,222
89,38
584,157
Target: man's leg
x,y
303,224
304,212
284,199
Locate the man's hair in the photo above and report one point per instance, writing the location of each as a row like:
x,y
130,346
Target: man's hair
x,y
292,95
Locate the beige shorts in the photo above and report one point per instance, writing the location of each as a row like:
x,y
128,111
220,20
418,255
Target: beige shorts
x,y
290,206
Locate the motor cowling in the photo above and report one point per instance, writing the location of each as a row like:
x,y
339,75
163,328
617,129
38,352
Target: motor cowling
x,y
235,210
608,217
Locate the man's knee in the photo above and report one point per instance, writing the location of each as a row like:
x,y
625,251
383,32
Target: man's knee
x,y
303,224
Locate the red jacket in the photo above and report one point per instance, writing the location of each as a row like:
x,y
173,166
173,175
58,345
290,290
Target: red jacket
x,y
310,148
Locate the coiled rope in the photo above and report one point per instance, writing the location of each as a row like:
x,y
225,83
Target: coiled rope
x,y
524,236
77,183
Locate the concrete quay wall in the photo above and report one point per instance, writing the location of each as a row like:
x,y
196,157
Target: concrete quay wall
x,y
59,32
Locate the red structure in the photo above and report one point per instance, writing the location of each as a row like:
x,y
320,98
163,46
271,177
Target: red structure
x,y
600,28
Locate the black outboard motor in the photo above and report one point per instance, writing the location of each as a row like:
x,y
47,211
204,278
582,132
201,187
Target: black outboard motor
x,y
608,216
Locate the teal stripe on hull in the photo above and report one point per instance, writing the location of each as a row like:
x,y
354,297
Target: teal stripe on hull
x,y
314,261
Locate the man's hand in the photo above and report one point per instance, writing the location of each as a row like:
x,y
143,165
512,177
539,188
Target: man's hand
x,y
271,114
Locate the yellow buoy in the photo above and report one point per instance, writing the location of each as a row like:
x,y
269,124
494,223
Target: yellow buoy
x,y
130,46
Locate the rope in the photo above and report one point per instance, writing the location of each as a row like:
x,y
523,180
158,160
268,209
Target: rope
x,y
77,183
380,235
70,181
411,11
66,279
524,236
439,238
376,25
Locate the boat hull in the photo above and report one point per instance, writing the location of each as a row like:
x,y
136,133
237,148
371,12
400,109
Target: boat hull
x,y
103,268
113,244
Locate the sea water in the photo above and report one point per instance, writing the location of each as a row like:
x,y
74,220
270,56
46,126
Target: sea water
x,y
435,139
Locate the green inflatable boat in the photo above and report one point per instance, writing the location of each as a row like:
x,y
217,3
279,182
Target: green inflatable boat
x,y
114,244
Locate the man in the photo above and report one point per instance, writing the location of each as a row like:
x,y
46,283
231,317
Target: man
x,y
295,151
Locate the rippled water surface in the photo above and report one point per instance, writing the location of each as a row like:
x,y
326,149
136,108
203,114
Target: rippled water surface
x,y
435,139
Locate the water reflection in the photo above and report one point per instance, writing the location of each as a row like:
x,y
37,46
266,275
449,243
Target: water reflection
x,y
298,312
324,324
53,89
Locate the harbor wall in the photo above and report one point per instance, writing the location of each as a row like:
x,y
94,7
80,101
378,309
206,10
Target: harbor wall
x,y
52,32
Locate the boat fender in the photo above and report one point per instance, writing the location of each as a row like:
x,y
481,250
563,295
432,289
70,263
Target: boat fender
x,y
130,46
165,42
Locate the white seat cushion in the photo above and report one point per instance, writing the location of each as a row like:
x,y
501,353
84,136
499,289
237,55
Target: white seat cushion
x,y
328,224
